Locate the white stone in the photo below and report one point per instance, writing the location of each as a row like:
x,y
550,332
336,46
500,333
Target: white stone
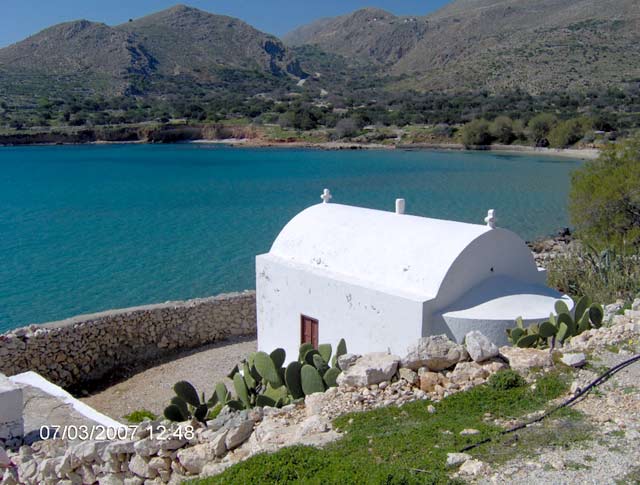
x,y
370,369
315,402
525,359
473,467
347,360
480,348
5,461
239,435
469,432
455,459
435,353
195,457
140,466
574,360
381,281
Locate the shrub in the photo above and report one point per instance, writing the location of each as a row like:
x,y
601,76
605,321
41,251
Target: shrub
x,y
567,133
506,379
502,130
140,415
476,133
606,276
347,128
604,201
539,127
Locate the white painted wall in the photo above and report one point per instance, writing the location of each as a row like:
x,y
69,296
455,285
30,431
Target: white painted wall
x,y
368,319
11,404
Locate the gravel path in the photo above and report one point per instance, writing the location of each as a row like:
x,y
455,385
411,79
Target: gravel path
x,y
152,388
611,457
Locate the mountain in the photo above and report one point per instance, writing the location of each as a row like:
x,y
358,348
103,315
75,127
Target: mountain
x,y
178,45
369,34
532,45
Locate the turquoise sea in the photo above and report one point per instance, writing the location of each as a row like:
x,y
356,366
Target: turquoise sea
x,y
89,228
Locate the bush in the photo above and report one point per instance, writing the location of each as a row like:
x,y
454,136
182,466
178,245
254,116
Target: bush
x,y
539,127
502,129
605,276
604,201
567,133
476,133
506,379
347,128
140,415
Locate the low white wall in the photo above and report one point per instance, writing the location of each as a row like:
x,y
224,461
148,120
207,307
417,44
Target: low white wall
x,y
88,347
11,402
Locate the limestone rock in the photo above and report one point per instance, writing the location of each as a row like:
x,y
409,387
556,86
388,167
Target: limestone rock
x,y
5,461
429,380
480,348
469,432
468,371
140,467
574,360
436,352
455,459
239,434
473,467
347,360
194,458
218,443
408,375
525,359
370,369
315,402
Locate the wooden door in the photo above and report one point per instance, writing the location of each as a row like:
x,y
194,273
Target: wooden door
x,y
309,331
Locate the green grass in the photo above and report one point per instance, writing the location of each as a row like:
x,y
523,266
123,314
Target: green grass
x,y
396,445
632,477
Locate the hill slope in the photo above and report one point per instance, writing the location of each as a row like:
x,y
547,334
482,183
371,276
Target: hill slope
x,y
177,44
535,45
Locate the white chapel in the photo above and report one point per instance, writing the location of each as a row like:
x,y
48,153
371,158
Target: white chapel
x,y
381,280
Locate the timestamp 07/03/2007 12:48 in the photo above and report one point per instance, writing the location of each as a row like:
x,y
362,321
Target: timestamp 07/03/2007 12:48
x,y
113,433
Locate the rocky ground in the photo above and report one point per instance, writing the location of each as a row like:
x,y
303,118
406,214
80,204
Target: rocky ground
x,y
434,368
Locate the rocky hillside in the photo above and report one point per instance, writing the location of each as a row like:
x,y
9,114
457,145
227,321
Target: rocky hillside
x,y
534,45
181,44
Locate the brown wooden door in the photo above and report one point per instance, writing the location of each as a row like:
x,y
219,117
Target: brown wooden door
x,y
309,331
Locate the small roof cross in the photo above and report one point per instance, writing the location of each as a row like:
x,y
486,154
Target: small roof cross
x,y
326,196
491,218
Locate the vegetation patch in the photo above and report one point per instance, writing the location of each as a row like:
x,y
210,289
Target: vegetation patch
x,y
398,445
140,415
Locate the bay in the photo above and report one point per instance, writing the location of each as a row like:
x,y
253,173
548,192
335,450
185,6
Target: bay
x,y
90,228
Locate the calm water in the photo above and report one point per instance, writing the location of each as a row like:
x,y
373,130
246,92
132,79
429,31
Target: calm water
x,y
88,228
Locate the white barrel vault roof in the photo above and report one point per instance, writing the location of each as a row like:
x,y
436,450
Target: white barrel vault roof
x,y
407,252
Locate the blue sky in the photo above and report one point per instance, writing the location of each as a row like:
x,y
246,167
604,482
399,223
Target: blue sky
x,y
21,18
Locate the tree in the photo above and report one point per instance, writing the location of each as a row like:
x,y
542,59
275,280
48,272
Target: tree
x,y
540,126
604,201
567,133
347,128
476,133
502,129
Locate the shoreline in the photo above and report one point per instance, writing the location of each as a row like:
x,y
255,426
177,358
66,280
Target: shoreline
x,y
569,153
572,153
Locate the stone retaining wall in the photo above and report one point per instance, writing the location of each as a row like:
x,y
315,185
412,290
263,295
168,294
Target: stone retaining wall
x,y
88,347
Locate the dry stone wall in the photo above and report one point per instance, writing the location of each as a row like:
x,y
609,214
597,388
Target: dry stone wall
x,y
88,347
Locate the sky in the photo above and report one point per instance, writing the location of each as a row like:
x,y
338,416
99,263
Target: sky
x,y
21,18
